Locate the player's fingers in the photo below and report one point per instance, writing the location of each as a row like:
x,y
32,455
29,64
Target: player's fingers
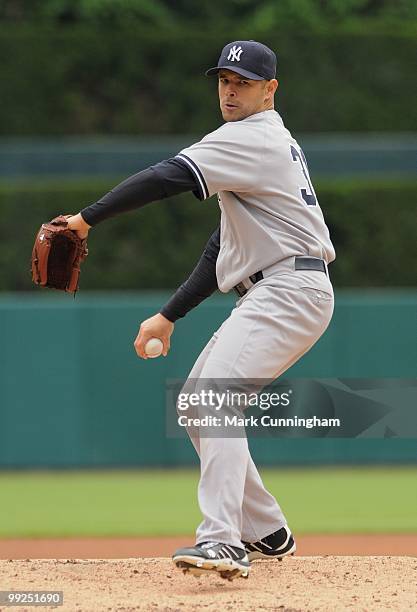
x,y
77,224
166,345
140,342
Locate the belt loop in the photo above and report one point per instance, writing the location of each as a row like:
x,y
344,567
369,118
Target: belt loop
x,y
255,278
240,289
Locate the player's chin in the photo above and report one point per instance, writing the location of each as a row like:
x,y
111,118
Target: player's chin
x,y
233,114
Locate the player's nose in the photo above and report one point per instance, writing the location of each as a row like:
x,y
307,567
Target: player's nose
x,y
229,90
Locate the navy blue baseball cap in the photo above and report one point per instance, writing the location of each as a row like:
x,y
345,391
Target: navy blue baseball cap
x,y
249,58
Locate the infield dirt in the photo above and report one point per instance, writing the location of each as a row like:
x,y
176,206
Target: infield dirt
x,y
328,583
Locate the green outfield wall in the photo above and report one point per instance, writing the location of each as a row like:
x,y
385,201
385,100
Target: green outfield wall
x,y
73,393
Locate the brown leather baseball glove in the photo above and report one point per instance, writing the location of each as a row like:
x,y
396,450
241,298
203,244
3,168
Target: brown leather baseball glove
x,y
57,255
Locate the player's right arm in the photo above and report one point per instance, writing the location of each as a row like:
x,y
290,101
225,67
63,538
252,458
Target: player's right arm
x,y
201,283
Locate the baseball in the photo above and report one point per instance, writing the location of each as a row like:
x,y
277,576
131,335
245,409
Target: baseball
x,y
153,347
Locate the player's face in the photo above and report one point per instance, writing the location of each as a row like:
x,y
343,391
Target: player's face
x,y
240,97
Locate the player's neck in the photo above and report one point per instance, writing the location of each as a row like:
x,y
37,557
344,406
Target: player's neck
x,y
264,109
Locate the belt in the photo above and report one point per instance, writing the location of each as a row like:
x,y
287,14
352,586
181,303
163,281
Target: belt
x,y
300,263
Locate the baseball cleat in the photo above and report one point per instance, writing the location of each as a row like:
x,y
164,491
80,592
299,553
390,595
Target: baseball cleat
x,y
228,561
275,546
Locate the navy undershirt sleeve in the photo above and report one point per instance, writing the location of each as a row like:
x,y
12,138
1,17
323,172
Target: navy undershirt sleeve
x,y
201,283
163,180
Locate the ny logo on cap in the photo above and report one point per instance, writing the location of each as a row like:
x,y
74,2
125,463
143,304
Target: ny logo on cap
x,y
235,53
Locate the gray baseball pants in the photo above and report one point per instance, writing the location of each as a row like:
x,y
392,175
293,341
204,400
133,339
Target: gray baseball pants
x,y
271,327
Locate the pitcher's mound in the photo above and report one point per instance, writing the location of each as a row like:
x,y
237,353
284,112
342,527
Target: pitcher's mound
x,y
296,584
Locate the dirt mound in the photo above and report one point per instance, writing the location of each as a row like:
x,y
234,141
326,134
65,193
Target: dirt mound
x,y
297,584
308,545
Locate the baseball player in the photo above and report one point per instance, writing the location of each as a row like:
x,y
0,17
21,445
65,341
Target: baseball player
x,y
272,248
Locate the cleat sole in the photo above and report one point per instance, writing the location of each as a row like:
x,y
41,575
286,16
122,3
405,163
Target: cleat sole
x,y
226,570
254,555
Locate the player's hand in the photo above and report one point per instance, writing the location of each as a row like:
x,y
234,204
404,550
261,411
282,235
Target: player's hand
x,y
78,225
155,327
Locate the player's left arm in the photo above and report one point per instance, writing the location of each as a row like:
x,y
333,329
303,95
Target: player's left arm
x,y
165,179
158,182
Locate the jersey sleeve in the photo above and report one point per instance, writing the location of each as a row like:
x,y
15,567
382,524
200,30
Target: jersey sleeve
x,y
224,160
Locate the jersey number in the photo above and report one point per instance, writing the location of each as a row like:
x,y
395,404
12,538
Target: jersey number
x,y
308,195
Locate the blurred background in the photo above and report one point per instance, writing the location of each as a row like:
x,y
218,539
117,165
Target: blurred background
x,y
95,90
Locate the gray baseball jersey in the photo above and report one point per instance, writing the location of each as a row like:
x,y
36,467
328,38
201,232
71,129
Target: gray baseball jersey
x,y
269,208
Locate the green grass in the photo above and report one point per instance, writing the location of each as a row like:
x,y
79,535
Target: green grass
x,y
125,503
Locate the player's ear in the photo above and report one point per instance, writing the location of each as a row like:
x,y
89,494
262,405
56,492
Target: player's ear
x,y
273,84
271,87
